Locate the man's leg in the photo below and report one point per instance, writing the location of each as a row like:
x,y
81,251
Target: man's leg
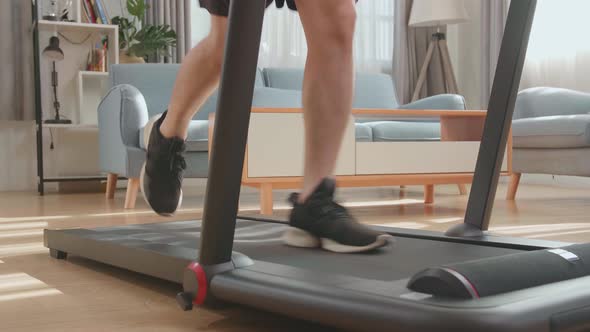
x,y
162,174
316,220
197,79
328,84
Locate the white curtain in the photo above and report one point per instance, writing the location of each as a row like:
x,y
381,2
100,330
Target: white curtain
x,y
283,41
559,51
17,98
177,14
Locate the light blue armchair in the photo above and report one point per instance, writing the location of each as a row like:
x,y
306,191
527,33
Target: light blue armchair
x,y
551,134
141,91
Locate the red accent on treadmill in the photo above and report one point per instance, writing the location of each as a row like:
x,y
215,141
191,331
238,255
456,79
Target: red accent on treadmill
x,y
467,283
201,281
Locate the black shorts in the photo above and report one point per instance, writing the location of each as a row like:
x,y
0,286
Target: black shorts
x,y
221,7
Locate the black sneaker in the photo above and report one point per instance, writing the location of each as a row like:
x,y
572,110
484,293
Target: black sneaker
x,y
161,175
321,222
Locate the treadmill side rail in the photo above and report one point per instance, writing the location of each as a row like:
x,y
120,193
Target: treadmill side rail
x,y
499,117
231,130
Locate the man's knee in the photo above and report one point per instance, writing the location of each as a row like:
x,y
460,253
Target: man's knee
x,y
340,25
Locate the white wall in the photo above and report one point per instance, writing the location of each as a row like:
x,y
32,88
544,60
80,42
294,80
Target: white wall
x,y
201,23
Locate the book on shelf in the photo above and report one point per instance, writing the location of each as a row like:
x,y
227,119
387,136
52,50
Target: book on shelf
x,y
95,10
89,11
101,11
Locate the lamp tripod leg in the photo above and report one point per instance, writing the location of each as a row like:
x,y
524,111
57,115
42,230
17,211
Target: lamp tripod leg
x,y
424,71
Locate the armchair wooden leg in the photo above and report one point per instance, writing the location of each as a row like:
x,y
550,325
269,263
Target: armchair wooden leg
x,y
131,196
513,186
111,185
462,189
428,194
266,202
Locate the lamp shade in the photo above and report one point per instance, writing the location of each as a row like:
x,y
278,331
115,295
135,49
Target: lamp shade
x,y
434,13
53,51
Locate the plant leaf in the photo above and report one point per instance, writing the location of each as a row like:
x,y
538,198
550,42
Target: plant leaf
x,y
137,8
152,40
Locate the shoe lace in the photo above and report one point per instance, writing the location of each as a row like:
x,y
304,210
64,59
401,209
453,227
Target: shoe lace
x,y
177,162
325,204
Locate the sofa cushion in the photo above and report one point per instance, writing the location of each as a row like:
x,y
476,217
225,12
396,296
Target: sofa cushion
x,y
198,135
371,90
363,132
551,132
400,131
155,82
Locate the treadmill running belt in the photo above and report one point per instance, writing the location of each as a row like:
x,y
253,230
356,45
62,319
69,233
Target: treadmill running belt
x,y
261,242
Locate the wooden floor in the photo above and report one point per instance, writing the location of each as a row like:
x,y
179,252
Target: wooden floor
x,y
38,293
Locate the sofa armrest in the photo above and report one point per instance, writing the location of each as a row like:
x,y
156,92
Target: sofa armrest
x,y
438,102
121,114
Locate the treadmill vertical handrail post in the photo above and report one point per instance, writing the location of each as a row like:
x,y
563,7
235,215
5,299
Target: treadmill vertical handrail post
x,y
231,130
499,119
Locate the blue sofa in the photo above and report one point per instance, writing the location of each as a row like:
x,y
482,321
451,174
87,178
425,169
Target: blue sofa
x,y
140,91
551,134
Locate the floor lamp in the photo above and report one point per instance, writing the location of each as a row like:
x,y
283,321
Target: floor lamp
x,y
437,13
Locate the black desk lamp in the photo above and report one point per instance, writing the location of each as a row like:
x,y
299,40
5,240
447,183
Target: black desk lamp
x,y
54,53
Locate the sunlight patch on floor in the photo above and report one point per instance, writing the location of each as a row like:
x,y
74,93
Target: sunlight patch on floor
x,y
22,249
558,234
404,224
23,225
527,229
29,294
406,201
18,286
19,281
17,234
445,220
42,218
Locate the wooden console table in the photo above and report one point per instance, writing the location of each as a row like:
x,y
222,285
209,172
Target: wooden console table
x,y
274,155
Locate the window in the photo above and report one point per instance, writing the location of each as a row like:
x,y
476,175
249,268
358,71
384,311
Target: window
x,y
283,41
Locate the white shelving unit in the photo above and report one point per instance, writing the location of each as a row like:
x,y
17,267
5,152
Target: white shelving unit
x,y
92,87
79,93
87,88
112,31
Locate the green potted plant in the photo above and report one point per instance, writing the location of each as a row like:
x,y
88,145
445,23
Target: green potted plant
x,y
136,44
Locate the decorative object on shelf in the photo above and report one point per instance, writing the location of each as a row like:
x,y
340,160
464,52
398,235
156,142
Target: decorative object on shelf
x,y
50,10
149,40
54,53
66,10
97,57
57,10
436,13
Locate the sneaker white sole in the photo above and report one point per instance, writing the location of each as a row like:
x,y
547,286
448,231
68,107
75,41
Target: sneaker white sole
x,y
296,237
141,176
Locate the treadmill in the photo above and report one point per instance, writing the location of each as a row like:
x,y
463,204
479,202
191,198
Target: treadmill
x,y
463,280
